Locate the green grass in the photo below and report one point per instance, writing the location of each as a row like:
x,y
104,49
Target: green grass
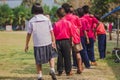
x,y
13,59
15,63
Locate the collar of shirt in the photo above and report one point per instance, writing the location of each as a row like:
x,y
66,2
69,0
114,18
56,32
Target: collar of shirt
x,y
39,17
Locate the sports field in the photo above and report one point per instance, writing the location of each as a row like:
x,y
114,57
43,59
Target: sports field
x,y
15,64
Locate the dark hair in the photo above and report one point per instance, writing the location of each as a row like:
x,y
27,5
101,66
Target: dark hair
x,y
86,9
66,7
37,9
80,12
60,12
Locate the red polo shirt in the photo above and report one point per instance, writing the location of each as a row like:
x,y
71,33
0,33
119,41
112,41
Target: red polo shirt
x,y
62,29
84,26
76,25
91,21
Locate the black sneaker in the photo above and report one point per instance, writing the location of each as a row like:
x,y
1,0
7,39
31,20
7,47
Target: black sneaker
x,y
40,78
53,75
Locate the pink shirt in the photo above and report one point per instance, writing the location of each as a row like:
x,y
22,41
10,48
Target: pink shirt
x,y
110,27
101,29
84,26
91,21
74,20
62,29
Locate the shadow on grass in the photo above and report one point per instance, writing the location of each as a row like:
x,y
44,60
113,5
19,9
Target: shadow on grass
x,y
17,78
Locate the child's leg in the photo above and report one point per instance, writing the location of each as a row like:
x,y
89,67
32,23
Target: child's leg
x,y
52,64
39,70
52,70
74,58
79,62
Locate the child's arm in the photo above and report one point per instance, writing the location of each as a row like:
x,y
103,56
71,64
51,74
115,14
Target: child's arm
x,y
27,41
86,37
53,39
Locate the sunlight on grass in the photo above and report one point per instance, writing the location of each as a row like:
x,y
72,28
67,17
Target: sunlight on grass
x,y
15,62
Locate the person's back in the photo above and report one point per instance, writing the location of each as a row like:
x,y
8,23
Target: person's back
x,y
74,20
43,39
90,27
76,25
40,25
101,29
91,34
62,29
84,26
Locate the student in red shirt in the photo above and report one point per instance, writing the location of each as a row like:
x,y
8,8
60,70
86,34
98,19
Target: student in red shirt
x,y
101,34
63,33
90,32
74,20
83,35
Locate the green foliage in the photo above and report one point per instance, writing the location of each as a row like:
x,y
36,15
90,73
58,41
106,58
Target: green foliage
x,y
21,14
18,15
46,9
53,13
6,15
101,7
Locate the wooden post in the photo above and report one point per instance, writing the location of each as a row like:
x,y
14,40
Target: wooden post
x,y
118,31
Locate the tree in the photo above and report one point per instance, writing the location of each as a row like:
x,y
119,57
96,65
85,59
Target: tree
x,y
53,13
102,7
6,15
46,9
21,14
29,3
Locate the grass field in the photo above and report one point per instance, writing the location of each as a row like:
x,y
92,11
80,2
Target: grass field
x,y
15,64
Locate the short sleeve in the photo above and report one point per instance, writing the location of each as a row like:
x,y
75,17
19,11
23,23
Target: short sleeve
x,y
50,25
29,28
70,29
78,22
95,20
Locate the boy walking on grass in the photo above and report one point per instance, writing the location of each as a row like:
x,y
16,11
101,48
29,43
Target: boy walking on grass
x,y
43,38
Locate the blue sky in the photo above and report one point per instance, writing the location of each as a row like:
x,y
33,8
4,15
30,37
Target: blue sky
x,y
15,3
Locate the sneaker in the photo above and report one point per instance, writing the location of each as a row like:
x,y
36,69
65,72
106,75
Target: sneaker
x,y
40,78
53,75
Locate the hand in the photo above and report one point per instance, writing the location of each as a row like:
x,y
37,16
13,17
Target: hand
x,y
26,48
54,45
88,42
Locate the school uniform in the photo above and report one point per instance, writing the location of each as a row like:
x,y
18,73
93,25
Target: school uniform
x,y
90,47
101,33
74,20
40,26
83,52
63,33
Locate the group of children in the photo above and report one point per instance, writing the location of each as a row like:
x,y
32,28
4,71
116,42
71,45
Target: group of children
x,y
74,29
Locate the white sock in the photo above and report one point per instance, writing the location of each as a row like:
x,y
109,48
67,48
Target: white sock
x,y
52,69
40,75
